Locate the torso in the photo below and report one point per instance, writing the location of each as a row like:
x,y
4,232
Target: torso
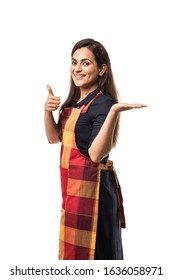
x,y
89,124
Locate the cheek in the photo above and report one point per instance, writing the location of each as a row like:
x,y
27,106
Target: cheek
x,y
94,75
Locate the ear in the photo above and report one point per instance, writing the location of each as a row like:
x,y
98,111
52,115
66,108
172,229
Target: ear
x,y
102,69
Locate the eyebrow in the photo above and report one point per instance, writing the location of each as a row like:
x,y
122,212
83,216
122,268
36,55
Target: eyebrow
x,y
83,59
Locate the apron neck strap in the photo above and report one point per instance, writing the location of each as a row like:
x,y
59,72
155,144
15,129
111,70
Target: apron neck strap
x,y
85,107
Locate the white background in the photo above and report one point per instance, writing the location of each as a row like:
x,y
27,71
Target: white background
x,y
36,38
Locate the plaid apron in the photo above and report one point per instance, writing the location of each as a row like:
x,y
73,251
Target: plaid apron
x,y
80,183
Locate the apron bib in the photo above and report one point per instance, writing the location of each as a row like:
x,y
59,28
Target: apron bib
x,y
80,184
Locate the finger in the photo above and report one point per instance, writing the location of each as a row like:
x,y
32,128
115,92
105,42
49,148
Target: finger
x,y
139,105
53,103
49,90
54,98
51,108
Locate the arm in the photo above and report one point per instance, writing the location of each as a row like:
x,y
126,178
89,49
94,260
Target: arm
x,y
52,104
102,144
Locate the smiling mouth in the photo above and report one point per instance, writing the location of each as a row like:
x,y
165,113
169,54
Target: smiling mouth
x,y
79,77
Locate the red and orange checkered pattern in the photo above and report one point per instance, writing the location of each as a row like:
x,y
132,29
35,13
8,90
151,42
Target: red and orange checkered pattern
x,y
80,182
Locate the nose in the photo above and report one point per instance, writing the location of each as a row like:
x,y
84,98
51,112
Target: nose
x,y
78,67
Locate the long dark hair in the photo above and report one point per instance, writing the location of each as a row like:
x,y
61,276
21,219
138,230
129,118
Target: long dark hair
x,y
105,82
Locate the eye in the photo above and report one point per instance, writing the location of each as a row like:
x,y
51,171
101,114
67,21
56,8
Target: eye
x,y
73,62
86,63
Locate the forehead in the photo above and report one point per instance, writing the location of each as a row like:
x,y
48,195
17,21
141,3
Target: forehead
x,y
83,53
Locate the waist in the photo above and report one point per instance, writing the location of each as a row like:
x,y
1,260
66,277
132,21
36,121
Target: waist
x,y
108,165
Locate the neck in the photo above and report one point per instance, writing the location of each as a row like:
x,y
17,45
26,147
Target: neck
x,y
85,92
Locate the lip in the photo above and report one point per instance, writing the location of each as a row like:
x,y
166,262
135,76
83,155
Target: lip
x,y
78,76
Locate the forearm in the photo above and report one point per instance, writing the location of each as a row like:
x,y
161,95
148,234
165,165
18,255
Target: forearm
x,y
51,128
103,142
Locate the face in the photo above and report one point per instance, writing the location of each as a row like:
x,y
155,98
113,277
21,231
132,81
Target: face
x,y
84,69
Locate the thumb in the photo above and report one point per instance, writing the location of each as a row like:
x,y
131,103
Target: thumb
x,y
49,90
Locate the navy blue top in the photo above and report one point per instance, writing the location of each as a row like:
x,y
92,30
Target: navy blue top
x,y
89,124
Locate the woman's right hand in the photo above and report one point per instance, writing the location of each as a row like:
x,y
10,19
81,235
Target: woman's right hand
x,y
52,102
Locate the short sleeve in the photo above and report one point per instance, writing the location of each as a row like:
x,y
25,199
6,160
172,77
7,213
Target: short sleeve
x,y
100,109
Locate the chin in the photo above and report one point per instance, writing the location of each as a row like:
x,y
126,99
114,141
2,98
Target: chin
x,y
78,84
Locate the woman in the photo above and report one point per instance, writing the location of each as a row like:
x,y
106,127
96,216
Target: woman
x,y
92,211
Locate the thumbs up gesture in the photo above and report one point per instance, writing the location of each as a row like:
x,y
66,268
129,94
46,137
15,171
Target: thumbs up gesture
x,y
52,102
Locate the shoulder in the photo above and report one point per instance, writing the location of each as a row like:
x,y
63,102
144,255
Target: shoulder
x,y
104,98
101,105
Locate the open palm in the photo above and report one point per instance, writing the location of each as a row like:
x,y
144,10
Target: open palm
x,y
120,107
